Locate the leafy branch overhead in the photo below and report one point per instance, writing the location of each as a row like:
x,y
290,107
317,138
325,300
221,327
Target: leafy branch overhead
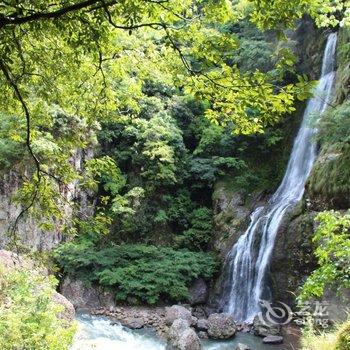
x,y
68,66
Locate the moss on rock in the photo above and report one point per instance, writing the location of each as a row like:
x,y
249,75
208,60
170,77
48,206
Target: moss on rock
x,y
329,185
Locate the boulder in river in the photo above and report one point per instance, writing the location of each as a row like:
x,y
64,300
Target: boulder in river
x,y
178,312
262,328
221,326
273,339
182,337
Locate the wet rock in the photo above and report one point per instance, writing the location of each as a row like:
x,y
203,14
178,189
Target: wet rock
x,y
178,312
273,339
241,346
221,326
183,337
198,292
133,323
264,329
203,335
202,325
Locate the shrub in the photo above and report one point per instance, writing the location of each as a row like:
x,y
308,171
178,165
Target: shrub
x,y
28,315
338,339
329,180
200,233
137,273
333,254
343,337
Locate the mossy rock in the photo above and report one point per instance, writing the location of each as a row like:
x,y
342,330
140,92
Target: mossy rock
x,y
343,338
329,183
342,86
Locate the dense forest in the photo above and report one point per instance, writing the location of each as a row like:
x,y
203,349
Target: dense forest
x,y
137,138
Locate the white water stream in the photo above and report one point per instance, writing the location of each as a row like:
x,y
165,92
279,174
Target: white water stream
x,y
97,333
247,263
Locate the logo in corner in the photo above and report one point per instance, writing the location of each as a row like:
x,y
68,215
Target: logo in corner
x,y
275,313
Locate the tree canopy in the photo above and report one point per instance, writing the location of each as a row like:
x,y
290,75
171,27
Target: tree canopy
x,y
68,66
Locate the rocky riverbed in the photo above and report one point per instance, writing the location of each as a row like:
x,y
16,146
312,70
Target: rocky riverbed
x,y
186,328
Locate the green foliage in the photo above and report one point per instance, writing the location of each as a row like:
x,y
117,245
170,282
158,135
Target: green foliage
x,y
335,125
254,55
333,254
28,315
136,273
11,141
105,171
343,337
329,180
281,14
335,339
200,232
69,68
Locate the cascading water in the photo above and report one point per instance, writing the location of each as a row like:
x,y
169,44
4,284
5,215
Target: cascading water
x,y
97,333
247,263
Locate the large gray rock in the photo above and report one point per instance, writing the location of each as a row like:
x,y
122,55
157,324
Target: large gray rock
x,y
273,339
182,337
78,294
198,292
221,326
178,312
263,329
82,296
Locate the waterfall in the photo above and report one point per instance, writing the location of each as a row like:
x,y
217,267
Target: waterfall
x,y
247,262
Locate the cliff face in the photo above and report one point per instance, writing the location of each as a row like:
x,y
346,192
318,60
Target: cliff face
x,y
29,236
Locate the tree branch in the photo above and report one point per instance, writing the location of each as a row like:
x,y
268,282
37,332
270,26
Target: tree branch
x,y
6,20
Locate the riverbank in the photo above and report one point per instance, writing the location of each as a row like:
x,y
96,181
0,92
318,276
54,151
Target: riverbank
x,y
105,333
159,320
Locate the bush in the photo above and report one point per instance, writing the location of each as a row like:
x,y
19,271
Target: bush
x,y
338,339
329,180
343,337
333,253
199,235
28,315
137,273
